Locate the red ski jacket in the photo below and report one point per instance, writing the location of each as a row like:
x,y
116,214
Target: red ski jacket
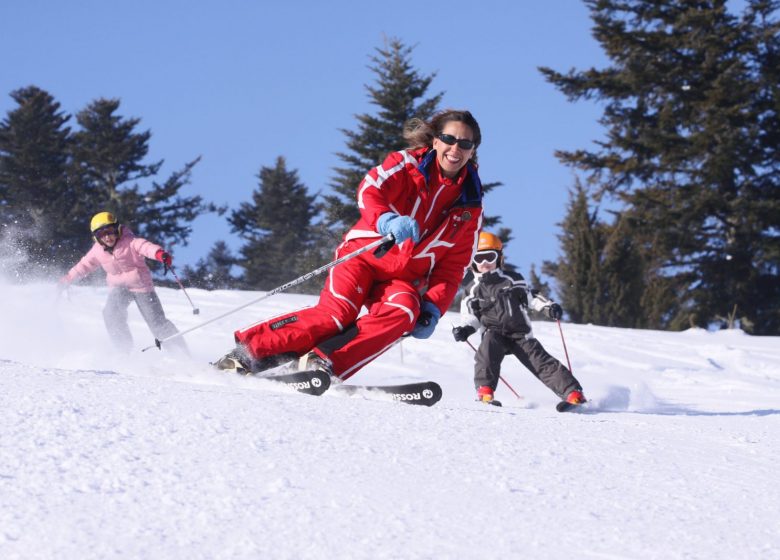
x,y
448,212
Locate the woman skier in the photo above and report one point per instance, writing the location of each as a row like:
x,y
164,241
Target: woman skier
x,y
429,197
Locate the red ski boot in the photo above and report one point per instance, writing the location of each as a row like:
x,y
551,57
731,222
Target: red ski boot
x,y
485,395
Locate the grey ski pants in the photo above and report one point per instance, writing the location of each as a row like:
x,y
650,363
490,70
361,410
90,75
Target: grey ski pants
x,y
532,355
115,317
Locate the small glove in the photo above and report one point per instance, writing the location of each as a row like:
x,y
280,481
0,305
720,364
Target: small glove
x,y
554,311
402,227
474,306
462,334
426,322
164,258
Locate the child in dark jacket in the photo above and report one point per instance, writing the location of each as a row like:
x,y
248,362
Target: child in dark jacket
x,y
496,302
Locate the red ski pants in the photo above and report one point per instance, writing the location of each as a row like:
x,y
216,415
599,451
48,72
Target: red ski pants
x,y
393,306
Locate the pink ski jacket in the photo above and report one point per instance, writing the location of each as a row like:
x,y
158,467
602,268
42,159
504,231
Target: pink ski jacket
x,y
124,264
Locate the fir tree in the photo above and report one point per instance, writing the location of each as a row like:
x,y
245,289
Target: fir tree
x,y
276,227
215,271
578,274
602,275
36,195
108,158
399,96
163,214
691,111
622,277
535,282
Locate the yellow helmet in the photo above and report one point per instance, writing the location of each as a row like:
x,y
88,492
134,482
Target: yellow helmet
x,y
101,220
489,241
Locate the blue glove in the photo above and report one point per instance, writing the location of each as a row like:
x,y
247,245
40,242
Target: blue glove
x,y
402,227
426,322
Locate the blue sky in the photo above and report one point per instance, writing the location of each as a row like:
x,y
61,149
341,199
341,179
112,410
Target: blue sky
x,y
241,83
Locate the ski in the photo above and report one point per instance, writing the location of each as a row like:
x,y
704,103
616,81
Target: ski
x,y
425,393
310,382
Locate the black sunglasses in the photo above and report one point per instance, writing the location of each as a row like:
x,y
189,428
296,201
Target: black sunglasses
x,y
449,139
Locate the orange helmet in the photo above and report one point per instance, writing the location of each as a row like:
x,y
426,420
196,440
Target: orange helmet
x,y
489,241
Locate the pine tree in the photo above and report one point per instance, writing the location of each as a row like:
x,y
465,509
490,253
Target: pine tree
x,y
691,111
399,96
215,271
622,277
578,274
535,282
163,214
108,158
277,229
36,195
602,274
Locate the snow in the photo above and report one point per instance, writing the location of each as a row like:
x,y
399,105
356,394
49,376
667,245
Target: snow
x,y
152,455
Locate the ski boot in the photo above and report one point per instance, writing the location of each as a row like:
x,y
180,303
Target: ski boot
x,y
240,361
485,395
313,361
237,360
573,400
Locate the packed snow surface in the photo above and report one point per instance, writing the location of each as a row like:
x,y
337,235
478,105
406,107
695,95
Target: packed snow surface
x,y
156,455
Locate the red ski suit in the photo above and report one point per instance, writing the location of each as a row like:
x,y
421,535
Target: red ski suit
x,y
449,214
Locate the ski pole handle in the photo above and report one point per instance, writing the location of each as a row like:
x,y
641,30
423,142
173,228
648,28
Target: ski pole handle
x,y
385,247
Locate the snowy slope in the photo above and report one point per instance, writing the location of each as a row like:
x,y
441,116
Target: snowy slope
x,y
155,456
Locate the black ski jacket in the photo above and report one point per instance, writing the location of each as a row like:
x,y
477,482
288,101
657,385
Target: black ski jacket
x,y
498,300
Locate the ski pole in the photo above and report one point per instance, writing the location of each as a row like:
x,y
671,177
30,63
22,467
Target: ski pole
x,y
500,376
382,246
195,310
565,351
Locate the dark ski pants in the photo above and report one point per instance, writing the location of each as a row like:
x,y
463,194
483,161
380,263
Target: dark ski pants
x,y
531,353
115,317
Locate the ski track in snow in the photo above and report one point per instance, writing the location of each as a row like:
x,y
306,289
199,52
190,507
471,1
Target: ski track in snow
x,y
152,455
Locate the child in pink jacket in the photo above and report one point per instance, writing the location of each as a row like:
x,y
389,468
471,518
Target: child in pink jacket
x,y
122,256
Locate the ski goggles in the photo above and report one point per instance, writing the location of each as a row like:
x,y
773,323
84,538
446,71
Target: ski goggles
x,y
486,257
450,140
106,231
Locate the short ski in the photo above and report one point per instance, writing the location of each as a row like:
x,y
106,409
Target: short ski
x,y
311,382
425,393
